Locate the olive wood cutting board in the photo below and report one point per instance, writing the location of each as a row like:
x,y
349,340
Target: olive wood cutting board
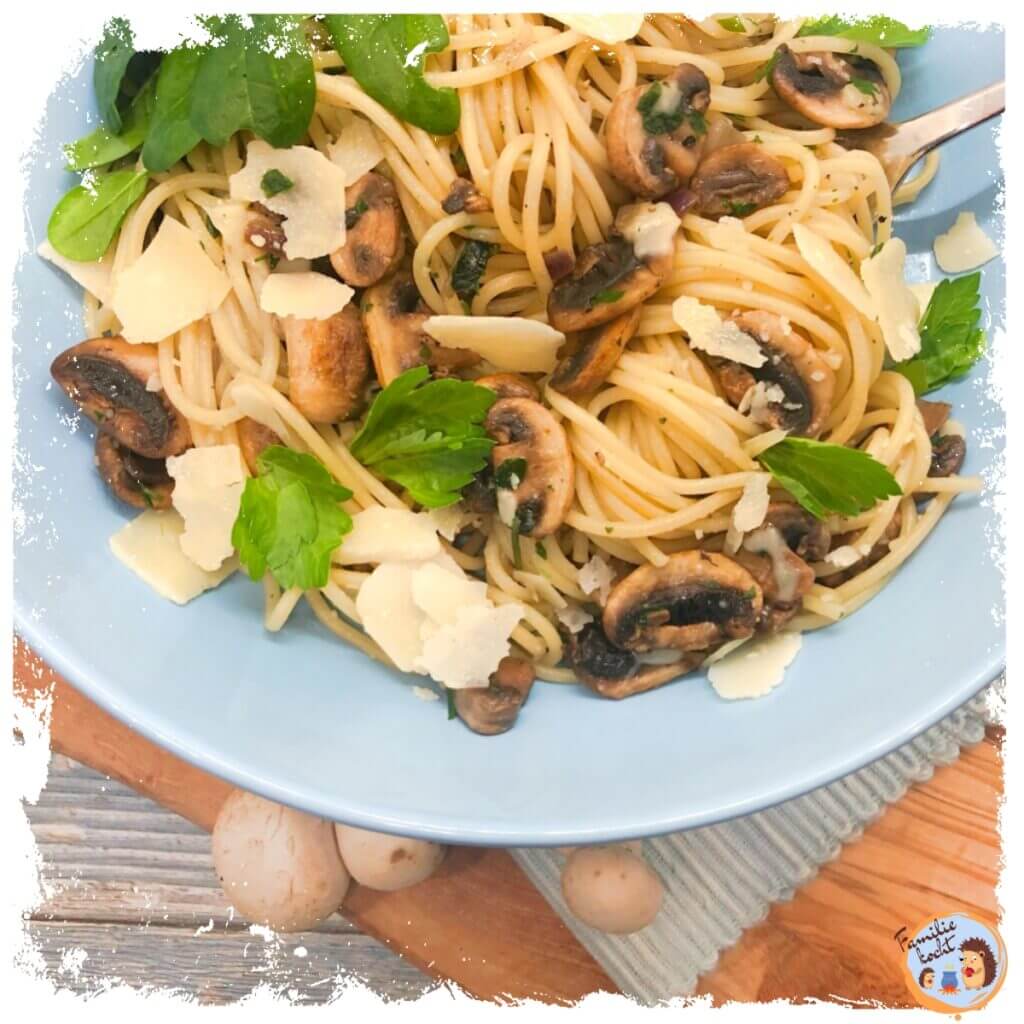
x,y
480,923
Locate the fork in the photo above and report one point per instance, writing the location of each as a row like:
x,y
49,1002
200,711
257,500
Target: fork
x,y
899,146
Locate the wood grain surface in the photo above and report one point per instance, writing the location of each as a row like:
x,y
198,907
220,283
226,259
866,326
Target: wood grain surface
x,y
480,923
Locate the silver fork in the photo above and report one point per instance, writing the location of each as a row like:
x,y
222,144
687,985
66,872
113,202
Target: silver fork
x,y
900,146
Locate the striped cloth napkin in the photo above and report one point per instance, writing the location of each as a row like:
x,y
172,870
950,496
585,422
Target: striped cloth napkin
x,y
722,879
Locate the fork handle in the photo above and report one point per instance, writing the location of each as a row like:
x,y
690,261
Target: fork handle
x,y
921,134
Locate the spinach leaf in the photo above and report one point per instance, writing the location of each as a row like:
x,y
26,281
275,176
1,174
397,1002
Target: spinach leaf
x,y
877,29
259,77
384,53
85,221
112,55
171,134
469,267
104,146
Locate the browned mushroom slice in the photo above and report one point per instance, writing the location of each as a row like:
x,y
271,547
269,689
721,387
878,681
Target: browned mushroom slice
x,y
694,602
586,369
533,466
509,385
805,536
736,180
655,133
783,576
136,480
948,454
107,378
265,231
463,196
607,281
615,673
253,437
934,415
878,551
792,389
490,710
393,316
831,89
375,235
328,365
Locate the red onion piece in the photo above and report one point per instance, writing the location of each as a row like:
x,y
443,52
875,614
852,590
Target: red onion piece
x,y
680,200
559,263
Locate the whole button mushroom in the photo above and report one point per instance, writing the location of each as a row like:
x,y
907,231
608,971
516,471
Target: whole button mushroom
x,y
611,888
279,867
384,862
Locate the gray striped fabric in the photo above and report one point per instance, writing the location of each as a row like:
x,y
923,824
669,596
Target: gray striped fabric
x,y
722,879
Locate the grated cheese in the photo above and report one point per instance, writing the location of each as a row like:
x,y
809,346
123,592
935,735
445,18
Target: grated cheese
x,y
708,333
465,653
512,343
964,246
752,507
896,307
596,577
843,557
308,296
649,227
388,535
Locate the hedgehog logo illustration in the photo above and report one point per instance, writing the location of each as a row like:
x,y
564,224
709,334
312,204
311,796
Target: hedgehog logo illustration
x,y
977,963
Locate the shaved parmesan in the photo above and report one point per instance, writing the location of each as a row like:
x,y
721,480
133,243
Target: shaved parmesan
x,y
843,557
596,577
94,277
231,220
150,546
649,227
964,246
171,285
389,614
313,208
708,333
247,396
440,594
466,653
605,28
752,507
388,535
511,343
832,268
450,520
756,668
425,693
573,617
923,292
896,306
308,296
356,150
758,400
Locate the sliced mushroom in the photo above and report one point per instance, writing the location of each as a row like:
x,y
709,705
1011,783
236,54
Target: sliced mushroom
x,y
836,90
805,536
375,235
527,432
795,384
878,551
490,710
393,316
934,415
736,180
783,576
136,480
464,196
509,385
948,454
265,231
107,378
655,133
586,369
253,437
607,281
694,602
721,132
328,365
615,673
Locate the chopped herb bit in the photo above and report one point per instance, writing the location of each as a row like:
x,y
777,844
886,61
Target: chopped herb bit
x,y
540,549
147,495
609,529
608,295
271,258
767,68
510,474
210,226
450,695
274,182
517,554
739,209
877,248
470,266
353,213
865,86
658,122
697,122
733,23
757,139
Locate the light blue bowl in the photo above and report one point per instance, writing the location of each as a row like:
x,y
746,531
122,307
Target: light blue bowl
x,y
305,720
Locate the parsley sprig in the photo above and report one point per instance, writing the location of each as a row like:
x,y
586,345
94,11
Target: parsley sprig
x,y
427,435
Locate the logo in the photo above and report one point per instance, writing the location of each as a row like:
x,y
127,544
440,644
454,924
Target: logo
x,y
953,963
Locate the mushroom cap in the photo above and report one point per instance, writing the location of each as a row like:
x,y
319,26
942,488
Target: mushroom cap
x,y
106,378
385,862
587,368
493,709
134,479
524,429
611,888
375,236
793,364
933,415
264,230
806,536
509,385
614,673
695,601
328,365
464,196
832,89
278,866
732,178
653,164
948,454
253,437
607,281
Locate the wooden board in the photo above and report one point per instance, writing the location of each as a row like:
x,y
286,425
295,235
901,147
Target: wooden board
x,y
480,923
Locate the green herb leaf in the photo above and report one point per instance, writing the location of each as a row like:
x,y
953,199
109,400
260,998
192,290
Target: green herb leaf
x,y
733,23
112,56
274,182
659,122
607,295
540,549
510,474
427,435
353,213
470,266
865,86
765,70
104,146
384,53
517,552
739,209
259,77
289,520
878,29
828,478
171,134
85,221
450,695
951,340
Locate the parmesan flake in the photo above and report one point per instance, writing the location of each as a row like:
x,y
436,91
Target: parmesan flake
x,y
708,333
756,668
596,577
93,276
964,246
605,28
896,307
308,296
649,227
388,535
752,507
356,150
512,343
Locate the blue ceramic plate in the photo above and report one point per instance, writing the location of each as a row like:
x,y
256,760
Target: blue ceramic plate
x,y
303,719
